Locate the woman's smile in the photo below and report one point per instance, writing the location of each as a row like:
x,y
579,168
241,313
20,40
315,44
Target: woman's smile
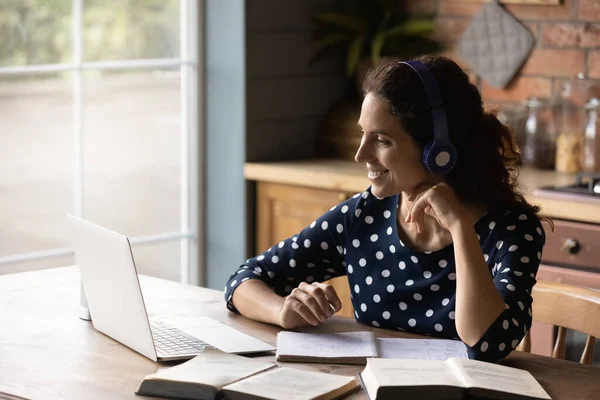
x,y
375,175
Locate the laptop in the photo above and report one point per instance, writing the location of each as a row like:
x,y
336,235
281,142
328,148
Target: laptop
x,y
117,308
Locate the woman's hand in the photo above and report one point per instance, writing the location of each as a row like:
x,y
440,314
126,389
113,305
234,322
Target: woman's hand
x,y
309,304
440,202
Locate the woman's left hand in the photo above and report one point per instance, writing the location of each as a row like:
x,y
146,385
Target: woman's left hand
x,y
440,202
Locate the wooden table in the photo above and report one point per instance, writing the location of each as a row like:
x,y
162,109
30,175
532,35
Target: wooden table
x,y
47,352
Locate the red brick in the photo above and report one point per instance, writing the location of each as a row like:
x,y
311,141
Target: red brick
x,y
458,8
593,63
588,10
537,12
450,30
561,35
571,35
554,62
519,89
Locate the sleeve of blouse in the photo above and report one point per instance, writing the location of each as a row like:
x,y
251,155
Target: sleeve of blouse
x,y
516,261
315,254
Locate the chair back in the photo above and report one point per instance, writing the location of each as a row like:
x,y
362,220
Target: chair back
x,y
567,307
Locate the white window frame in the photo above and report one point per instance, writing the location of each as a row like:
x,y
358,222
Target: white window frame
x,y
190,113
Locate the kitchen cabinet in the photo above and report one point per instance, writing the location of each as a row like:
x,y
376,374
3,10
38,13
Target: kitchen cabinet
x,y
284,210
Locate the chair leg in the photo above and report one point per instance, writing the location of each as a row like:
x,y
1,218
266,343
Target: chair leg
x,y
588,352
525,344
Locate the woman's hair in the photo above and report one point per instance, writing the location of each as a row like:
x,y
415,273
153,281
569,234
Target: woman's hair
x,y
486,169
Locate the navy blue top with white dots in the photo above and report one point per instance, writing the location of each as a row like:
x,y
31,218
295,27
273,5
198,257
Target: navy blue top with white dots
x,y
395,287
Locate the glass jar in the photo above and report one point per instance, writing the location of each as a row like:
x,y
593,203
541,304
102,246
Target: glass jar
x,y
571,120
539,134
590,156
514,118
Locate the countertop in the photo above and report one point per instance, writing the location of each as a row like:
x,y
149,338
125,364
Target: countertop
x,y
350,177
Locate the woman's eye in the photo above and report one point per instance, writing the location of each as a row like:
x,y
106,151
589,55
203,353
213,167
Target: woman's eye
x,y
383,142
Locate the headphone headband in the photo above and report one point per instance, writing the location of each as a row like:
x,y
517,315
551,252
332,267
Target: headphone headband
x,y
439,156
434,98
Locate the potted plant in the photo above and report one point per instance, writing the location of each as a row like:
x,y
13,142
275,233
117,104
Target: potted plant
x,y
370,30
366,31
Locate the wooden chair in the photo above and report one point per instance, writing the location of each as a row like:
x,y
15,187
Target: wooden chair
x,y
568,307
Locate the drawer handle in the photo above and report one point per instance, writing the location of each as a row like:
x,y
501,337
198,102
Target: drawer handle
x,y
571,246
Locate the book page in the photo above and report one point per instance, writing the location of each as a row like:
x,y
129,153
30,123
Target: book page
x,y
422,349
292,384
479,374
326,345
399,372
214,368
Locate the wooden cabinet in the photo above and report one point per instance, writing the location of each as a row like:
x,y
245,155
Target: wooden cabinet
x,y
283,210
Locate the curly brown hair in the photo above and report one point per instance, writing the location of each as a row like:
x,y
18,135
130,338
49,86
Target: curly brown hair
x,y
486,170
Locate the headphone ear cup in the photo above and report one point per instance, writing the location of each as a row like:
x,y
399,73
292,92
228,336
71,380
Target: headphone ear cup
x,y
439,158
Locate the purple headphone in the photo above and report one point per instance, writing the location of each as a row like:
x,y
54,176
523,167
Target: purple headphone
x,y
439,155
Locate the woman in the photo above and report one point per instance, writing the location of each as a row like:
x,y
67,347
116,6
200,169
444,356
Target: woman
x,y
452,253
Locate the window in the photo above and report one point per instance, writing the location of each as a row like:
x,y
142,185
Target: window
x,y
98,118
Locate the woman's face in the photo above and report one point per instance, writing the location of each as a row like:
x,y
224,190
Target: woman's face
x,y
392,158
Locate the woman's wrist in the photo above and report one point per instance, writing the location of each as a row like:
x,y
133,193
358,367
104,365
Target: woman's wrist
x,y
460,225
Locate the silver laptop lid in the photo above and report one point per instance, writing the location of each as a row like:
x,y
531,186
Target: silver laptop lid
x,y
111,285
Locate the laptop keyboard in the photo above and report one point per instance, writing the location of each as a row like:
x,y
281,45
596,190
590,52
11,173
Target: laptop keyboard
x,y
170,341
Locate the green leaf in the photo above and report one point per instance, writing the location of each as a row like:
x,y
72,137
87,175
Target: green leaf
x,y
340,20
354,53
327,42
330,40
376,46
413,27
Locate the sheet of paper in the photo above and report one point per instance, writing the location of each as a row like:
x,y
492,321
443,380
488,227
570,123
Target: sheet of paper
x,y
489,376
326,345
422,349
299,384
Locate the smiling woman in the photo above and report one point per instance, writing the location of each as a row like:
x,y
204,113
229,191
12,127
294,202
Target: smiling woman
x,y
446,249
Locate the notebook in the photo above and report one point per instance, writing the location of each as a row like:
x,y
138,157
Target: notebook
x,y
215,375
356,347
447,380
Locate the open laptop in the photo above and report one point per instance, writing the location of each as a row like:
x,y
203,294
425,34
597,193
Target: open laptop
x,y
117,308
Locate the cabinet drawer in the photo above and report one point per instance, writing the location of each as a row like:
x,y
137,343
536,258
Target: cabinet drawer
x,y
572,243
568,276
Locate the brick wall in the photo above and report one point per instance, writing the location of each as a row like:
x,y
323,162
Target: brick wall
x,y
568,42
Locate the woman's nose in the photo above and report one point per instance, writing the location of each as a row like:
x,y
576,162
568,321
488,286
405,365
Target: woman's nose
x,y
362,154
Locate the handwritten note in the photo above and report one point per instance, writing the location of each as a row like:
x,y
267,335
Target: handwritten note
x,y
326,345
422,349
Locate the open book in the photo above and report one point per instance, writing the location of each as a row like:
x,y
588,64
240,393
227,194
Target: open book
x,y
447,380
214,374
356,347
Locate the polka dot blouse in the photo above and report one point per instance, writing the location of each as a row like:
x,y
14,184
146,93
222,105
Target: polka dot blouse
x,y
395,287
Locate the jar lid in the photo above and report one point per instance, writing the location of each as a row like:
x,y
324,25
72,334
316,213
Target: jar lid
x,y
592,103
536,102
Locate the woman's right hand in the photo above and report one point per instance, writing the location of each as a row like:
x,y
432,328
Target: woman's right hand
x,y
309,304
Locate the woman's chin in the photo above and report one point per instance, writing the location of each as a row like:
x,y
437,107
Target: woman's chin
x,y
380,192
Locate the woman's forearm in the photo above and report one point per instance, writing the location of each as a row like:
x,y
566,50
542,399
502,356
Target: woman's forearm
x,y
478,303
255,300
